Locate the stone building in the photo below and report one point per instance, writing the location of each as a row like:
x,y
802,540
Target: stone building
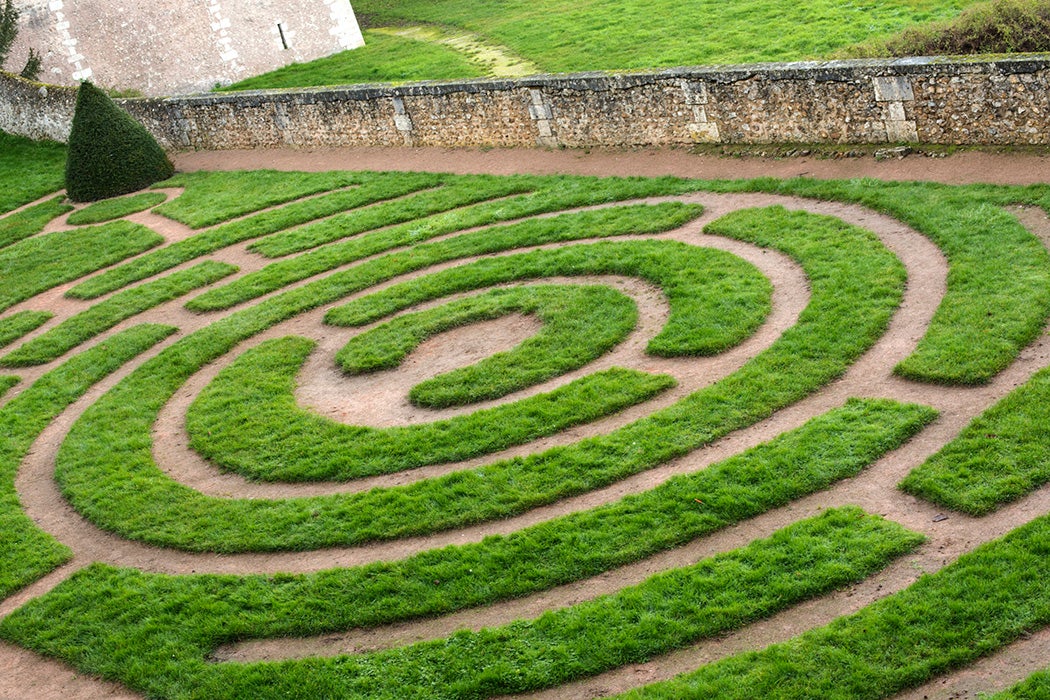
x,y
175,47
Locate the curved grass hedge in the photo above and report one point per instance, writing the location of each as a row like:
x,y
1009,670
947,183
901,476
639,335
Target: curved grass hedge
x,y
580,324
998,297
28,551
115,208
31,220
1002,455
37,264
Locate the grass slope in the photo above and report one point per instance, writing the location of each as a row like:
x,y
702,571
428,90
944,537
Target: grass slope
x,y
563,36
383,58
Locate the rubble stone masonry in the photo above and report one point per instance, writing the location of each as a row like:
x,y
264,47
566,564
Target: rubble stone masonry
x,y
923,100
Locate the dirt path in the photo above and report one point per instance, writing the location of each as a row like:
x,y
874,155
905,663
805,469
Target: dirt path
x,y
24,675
960,168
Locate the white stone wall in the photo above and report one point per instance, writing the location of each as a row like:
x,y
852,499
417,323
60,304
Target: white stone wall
x,y
177,47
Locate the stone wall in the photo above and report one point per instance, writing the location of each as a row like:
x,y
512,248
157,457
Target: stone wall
x,y
926,100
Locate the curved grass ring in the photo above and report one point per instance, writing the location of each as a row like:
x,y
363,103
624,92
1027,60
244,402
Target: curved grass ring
x,y
107,472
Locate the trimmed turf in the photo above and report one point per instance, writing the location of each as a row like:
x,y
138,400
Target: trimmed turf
x,y
978,236
29,170
28,551
107,472
31,220
374,188
613,221
115,208
20,323
6,383
171,624
580,324
457,192
659,615
214,197
383,58
943,621
1002,455
247,421
119,307
716,302
40,263
986,316
586,35
1035,687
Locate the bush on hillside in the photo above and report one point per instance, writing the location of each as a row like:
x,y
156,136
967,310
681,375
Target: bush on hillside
x,y
109,152
999,26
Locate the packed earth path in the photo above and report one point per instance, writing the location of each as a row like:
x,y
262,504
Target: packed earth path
x,y
379,401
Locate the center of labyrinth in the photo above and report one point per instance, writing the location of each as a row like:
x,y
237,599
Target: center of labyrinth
x,y
419,435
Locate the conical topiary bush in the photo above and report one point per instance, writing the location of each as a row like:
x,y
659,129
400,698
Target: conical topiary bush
x,y
109,152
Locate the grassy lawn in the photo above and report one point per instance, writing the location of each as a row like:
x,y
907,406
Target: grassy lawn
x,y
247,421
174,622
107,472
383,59
115,208
29,170
31,220
28,552
37,264
16,325
980,603
561,36
479,248
998,458
104,315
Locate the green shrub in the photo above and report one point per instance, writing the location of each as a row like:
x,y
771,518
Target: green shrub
x,y
999,26
109,152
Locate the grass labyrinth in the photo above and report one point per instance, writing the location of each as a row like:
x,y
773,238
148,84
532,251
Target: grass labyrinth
x,y
470,436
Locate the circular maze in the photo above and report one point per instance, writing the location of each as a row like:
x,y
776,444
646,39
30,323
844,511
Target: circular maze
x,y
395,435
